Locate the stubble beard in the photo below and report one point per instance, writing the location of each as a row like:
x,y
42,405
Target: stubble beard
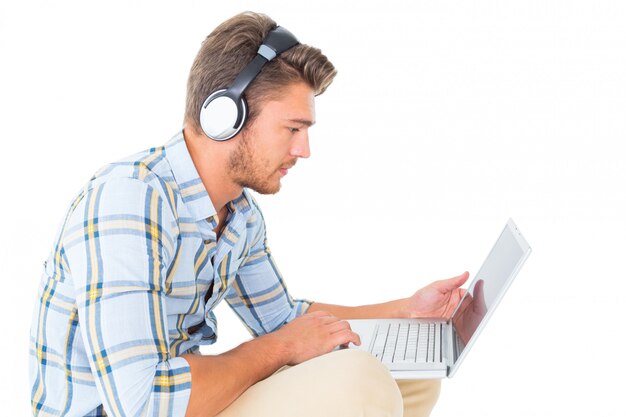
x,y
247,171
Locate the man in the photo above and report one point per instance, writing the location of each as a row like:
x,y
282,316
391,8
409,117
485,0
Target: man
x,y
154,242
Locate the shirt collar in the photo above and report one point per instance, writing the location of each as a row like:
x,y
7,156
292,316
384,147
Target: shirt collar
x,y
242,203
192,189
190,185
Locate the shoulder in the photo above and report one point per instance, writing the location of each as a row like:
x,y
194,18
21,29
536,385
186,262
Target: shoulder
x,y
149,167
146,173
140,186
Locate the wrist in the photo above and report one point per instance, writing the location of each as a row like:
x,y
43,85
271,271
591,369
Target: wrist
x,y
279,347
406,310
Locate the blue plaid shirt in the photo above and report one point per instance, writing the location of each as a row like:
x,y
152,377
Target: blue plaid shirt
x,y
125,290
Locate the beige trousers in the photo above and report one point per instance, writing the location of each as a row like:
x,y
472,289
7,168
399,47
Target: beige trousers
x,y
342,383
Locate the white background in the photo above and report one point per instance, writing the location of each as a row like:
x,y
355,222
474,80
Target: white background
x,y
446,119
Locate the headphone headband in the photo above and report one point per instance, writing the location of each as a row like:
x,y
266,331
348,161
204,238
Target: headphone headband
x,y
276,42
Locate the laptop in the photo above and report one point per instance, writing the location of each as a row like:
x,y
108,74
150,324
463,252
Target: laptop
x,y
431,348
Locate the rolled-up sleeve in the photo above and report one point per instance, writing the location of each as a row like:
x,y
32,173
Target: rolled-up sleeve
x,y
259,295
119,242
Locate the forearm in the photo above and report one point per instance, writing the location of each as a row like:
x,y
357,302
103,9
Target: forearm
x,y
217,381
391,309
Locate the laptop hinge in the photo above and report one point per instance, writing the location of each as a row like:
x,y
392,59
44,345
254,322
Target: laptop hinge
x,y
448,348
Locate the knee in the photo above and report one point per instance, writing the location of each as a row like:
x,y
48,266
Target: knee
x,y
366,384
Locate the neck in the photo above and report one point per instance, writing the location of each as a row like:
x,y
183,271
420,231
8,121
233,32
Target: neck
x,y
211,161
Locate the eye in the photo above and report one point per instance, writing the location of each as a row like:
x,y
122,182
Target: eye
x,y
293,129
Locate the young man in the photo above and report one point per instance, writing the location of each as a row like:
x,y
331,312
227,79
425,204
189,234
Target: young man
x,y
154,242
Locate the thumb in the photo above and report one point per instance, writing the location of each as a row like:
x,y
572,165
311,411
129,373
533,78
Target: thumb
x,y
450,284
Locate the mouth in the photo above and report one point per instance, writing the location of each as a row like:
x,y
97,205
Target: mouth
x,y
283,170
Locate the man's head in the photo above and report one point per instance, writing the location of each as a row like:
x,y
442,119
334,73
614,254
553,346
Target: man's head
x,y
280,100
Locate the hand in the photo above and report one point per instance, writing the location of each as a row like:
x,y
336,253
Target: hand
x,y
314,334
437,300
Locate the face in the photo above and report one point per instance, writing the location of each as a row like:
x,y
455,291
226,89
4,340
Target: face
x,y
274,141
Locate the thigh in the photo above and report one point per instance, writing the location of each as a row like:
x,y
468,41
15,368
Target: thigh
x,y
342,383
419,396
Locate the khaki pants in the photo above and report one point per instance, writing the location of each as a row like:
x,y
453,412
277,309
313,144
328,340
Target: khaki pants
x,y
343,383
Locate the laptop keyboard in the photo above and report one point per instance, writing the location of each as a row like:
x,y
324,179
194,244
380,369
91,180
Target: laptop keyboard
x,y
408,343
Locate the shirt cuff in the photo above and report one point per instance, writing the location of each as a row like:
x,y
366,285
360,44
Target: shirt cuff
x,y
172,388
301,306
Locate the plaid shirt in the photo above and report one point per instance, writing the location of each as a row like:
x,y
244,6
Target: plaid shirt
x,y
125,290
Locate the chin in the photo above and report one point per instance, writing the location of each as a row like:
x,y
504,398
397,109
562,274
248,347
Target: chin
x,y
266,188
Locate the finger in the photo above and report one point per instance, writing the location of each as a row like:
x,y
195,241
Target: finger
x,y
450,284
338,326
346,337
465,303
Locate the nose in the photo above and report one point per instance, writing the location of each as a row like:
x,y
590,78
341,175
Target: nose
x,y
300,148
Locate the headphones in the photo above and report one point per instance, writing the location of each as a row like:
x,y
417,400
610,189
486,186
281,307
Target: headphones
x,y
224,112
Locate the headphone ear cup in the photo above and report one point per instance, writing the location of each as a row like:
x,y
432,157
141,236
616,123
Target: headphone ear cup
x,y
221,117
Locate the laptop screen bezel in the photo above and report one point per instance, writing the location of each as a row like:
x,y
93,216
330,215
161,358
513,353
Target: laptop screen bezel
x,y
526,250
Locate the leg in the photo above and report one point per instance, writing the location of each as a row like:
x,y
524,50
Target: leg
x,y
342,383
419,396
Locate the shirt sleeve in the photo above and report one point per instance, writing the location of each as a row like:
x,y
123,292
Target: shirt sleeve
x,y
119,243
259,295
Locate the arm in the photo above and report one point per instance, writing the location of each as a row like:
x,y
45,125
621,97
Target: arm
x,y
391,309
236,370
259,295
119,244
261,300
302,339
438,299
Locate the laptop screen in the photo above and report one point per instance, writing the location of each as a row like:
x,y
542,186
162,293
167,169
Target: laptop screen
x,y
487,288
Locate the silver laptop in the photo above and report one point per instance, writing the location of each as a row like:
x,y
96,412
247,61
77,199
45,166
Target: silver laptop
x,y
428,348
